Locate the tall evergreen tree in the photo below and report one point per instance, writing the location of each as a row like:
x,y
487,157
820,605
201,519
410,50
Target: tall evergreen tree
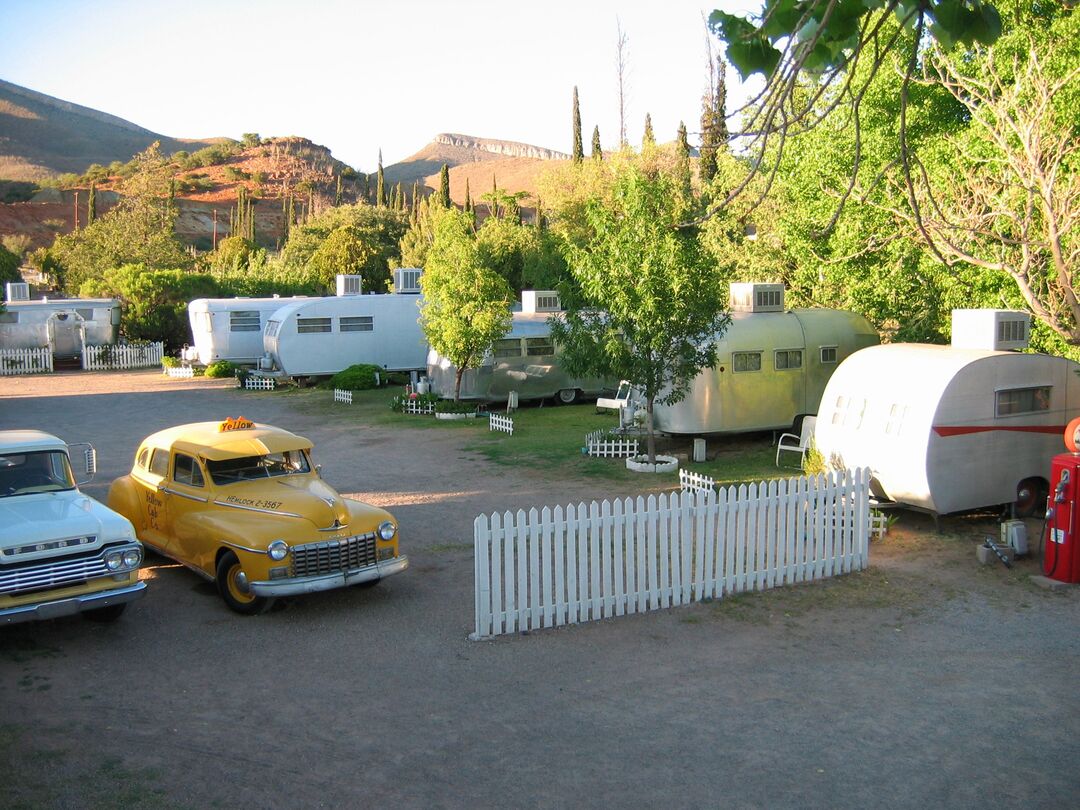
x,y
714,131
337,192
578,154
682,164
380,185
648,139
468,198
91,204
444,186
597,153
720,104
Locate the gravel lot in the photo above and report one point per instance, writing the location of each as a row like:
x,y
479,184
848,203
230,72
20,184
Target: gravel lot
x,y
926,681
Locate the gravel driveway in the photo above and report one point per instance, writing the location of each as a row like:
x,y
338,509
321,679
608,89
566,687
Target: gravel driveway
x,y
926,681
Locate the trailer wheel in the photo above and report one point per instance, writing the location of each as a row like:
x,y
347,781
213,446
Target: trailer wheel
x,y
567,396
1030,497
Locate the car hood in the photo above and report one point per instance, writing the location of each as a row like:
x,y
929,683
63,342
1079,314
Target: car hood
x,y
306,496
28,522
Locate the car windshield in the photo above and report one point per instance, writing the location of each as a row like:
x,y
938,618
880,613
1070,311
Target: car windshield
x,y
248,468
43,471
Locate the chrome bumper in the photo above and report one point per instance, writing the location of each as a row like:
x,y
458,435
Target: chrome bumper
x,y
326,582
71,605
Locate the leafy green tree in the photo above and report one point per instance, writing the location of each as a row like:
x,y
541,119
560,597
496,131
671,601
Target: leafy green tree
x,y
647,305
344,251
525,257
233,253
578,153
443,195
9,267
466,305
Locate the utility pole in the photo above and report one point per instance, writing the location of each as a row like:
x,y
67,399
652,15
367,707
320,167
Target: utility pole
x,y
215,229
76,209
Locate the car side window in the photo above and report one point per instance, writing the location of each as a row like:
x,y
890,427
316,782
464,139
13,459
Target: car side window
x,y
144,456
186,470
159,462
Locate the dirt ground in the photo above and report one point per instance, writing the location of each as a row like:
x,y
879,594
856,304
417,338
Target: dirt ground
x,y
927,680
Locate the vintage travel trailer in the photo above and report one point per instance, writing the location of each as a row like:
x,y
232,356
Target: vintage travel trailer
x,y
773,365
315,337
524,360
230,328
63,324
952,428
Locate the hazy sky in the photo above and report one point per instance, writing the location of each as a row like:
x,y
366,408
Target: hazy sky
x,y
357,76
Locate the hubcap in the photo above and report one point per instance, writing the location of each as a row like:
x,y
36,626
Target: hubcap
x,y
240,580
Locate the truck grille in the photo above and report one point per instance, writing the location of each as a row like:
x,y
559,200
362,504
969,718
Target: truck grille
x,y
47,574
333,556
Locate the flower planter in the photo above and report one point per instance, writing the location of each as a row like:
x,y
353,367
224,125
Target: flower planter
x,y
471,415
664,464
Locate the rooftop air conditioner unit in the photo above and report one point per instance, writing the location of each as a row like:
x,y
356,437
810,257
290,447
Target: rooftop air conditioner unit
x,y
407,279
756,297
17,291
533,301
993,329
348,285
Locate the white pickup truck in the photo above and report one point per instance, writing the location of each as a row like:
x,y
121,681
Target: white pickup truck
x,y
61,552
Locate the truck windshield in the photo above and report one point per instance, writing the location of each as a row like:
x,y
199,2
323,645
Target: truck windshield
x,y
42,471
248,468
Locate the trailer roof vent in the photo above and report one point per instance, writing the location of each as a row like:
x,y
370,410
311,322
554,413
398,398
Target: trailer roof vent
x,y
407,279
995,329
756,297
17,291
533,301
348,285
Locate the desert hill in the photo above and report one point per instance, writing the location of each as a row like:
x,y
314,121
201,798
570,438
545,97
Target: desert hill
x,y
42,136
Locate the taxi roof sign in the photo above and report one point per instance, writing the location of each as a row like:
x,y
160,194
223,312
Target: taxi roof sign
x,y
238,423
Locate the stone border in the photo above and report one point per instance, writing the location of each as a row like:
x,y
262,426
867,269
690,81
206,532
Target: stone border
x,y
664,464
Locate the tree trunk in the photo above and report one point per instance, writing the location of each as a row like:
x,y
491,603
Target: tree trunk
x,y
457,383
650,440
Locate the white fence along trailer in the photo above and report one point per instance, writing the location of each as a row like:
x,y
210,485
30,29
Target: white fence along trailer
x,y
948,429
230,328
321,336
64,325
773,365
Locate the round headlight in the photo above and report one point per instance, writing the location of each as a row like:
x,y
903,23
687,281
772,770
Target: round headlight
x,y
387,530
113,560
132,558
277,550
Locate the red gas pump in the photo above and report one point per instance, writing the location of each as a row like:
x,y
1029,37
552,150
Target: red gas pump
x,y
1061,551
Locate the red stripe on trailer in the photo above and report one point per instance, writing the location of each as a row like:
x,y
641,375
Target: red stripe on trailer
x,y
963,430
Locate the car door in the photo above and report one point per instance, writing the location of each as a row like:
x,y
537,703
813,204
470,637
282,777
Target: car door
x,y
186,497
150,475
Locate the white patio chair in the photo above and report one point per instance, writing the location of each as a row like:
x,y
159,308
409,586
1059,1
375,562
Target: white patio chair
x,y
800,443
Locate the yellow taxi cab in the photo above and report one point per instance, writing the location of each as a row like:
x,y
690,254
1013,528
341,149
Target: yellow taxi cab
x,y
242,504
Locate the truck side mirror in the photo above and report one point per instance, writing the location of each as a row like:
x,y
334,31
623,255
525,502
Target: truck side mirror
x,y
89,460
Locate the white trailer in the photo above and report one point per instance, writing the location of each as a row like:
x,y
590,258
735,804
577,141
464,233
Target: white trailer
x,y
64,325
322,336
947,429
773,365
230,328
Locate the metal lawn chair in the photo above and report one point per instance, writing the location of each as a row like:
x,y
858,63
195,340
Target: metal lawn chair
x,y
800,443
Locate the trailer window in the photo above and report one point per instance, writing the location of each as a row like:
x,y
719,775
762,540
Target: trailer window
x,y
86,313
828,354
364,323
1023,400
204,322
244,320
508,348
896,419
790,358
159,462
309,325
186,471
539,347
849,412
746,361
272,328
9,317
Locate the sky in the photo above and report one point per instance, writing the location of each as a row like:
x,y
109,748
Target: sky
x,y
362,76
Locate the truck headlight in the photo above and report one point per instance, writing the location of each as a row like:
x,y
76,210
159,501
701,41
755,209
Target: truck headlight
x,y
387,530
132,558
113,560
278,550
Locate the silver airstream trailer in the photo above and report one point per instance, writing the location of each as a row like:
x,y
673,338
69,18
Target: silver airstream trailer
x,y
524,360
773,365
64,325
315,337
952,428
230,328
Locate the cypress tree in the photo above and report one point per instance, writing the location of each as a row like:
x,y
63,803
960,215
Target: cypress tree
x,y
538,220
91,204
415,199
380,184
367,188
468,198
720,105
444,186
337,193
394,196
648,139
493,209
578,154
707,161
682,164
597,154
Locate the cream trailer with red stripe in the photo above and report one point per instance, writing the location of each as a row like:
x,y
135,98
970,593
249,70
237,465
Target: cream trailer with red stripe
x,y
948,429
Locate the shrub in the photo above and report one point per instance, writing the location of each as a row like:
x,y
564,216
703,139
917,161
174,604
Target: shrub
x,y
221,368
450,406
356,378
398,402
168,361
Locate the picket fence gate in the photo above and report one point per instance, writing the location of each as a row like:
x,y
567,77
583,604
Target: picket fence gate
x,y
597,445
25,361
696,482
180,372
341,395
418,408
253,383
120,356
588,562
499,422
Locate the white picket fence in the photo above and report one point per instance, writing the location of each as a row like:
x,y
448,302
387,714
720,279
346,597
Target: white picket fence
x,y
417,407
600,444
122,356
340,395
696,482
179,372
499,422
252,383
588,562
25,361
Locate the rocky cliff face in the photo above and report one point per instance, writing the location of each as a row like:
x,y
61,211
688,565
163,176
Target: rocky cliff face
x,y
497,147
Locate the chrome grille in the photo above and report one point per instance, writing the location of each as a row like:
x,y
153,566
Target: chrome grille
x,y
333,556
51,574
